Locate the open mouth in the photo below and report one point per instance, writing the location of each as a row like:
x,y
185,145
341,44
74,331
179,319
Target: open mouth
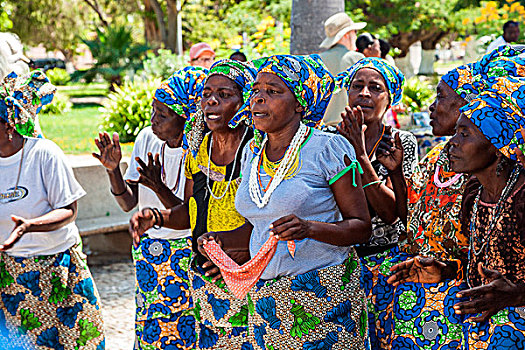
x,y
259,115
213,116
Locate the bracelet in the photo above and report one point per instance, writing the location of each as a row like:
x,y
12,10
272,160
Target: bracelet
x,y
372,183
118,194
155,215
160,217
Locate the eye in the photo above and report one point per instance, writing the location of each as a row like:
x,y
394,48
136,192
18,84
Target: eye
x,y
376,88
273,92
206,94
224,94
356,86
255,90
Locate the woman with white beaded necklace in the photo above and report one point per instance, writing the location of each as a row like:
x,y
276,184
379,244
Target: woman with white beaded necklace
x,y
302,198
212,178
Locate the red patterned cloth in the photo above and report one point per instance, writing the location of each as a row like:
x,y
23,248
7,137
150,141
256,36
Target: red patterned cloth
x,y
240,279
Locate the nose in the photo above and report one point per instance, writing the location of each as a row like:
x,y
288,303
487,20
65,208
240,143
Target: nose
x,y
432,107
212,100
364,91
258,97
453,142
153,116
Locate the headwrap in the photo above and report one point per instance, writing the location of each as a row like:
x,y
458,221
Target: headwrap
x,y
393,77
497,113
308,79
22,98
182,92
462,81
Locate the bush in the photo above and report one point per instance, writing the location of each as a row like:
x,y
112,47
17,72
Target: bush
x,y
58,76
162,65
128,109
417,95
59,105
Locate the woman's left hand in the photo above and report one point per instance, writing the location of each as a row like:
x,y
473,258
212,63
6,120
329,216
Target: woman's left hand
x,y
490,298
290,227
353,128
150,174
21,227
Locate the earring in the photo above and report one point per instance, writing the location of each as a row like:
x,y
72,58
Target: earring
x,y
499,167
10,137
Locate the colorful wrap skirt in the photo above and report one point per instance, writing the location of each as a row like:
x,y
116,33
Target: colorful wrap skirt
x,y
164,319
379,295
504,331
423,315
51,301
320,309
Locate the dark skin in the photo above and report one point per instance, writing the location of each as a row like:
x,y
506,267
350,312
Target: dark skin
x,y
167,126
470,152
362,125
221,99
511,34
277,112
12,142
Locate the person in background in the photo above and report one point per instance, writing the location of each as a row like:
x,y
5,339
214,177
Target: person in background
x,y
47,292
368,45
385,47
202,55
340,54
511,33
155,179
238,56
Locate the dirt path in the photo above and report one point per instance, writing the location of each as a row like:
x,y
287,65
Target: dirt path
x,y
116,285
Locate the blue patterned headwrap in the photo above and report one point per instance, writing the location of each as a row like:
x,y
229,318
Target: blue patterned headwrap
x,y
22,98
242,73
462,81
497,113
393,77
308,79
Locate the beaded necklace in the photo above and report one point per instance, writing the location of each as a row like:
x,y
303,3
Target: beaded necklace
x,y
497,213
233,168
283,168
377,143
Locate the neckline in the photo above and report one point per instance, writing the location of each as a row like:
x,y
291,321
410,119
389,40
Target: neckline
x,y
15,157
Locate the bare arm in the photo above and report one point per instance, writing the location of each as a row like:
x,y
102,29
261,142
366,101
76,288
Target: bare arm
x,y
51,221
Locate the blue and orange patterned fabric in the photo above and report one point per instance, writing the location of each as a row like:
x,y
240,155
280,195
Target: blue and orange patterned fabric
x,y
394,79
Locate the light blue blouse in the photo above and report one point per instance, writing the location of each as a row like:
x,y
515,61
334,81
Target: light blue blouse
x,y
308,196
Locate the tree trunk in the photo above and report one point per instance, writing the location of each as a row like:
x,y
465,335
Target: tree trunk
x,y
307,23
428,49
159,15
173,18
151,30
405,66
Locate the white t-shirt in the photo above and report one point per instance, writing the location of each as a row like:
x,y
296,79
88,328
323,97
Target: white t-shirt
x,y
46,183
496,43
174,168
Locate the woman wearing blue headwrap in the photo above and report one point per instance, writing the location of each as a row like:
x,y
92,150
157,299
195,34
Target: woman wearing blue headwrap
x,y
212,172
47,292
373,85
155,179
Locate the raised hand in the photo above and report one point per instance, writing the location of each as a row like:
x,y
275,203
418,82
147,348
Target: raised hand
x,y
110,152
419,269
353,128
139,223
389,153
490,298
150,174
21,227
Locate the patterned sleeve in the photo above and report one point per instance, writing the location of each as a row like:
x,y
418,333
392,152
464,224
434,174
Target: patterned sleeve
x,y
331,160
189,166
410,153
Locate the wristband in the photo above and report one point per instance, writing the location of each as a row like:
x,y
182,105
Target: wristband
x,y
160,222
155,215
119,194
372,183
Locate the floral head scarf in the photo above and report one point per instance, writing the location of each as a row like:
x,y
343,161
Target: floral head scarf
x,y
497,113
461,80
242,73
22,98
182,92
501,62
393,77
308,79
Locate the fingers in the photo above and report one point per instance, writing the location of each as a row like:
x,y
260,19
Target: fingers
x,y
99,144
95,155
425,261
157,159
490,275
116,141
475,292
150,160
141,163
397,141
472,307
289,234
12,239
283,220
483,317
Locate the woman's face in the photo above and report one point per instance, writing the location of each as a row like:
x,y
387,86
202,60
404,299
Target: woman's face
x,y
273,104
221,99
469,150
165,123
444,111
373,50
368,90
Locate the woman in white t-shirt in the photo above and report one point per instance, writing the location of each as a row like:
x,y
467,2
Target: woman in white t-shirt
x,y
46,289
155,179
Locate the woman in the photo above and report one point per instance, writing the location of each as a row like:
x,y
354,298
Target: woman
x,y
434,201
491,213
47,292
308,294
368,45
155,178
212,178
373,86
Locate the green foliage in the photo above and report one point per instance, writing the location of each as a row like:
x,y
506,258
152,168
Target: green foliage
x,y
114,52
58,76
5,21
59,105
163,64
417,95
128,108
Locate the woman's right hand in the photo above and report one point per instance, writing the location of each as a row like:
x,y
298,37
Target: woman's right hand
x,y
419,269
139,223
110,153
390,152
212,271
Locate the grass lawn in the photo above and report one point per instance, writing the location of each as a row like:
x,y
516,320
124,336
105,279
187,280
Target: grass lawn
x,y
84,90
75,131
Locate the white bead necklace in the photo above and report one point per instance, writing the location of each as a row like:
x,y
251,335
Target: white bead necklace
x,y
282,169
233,167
